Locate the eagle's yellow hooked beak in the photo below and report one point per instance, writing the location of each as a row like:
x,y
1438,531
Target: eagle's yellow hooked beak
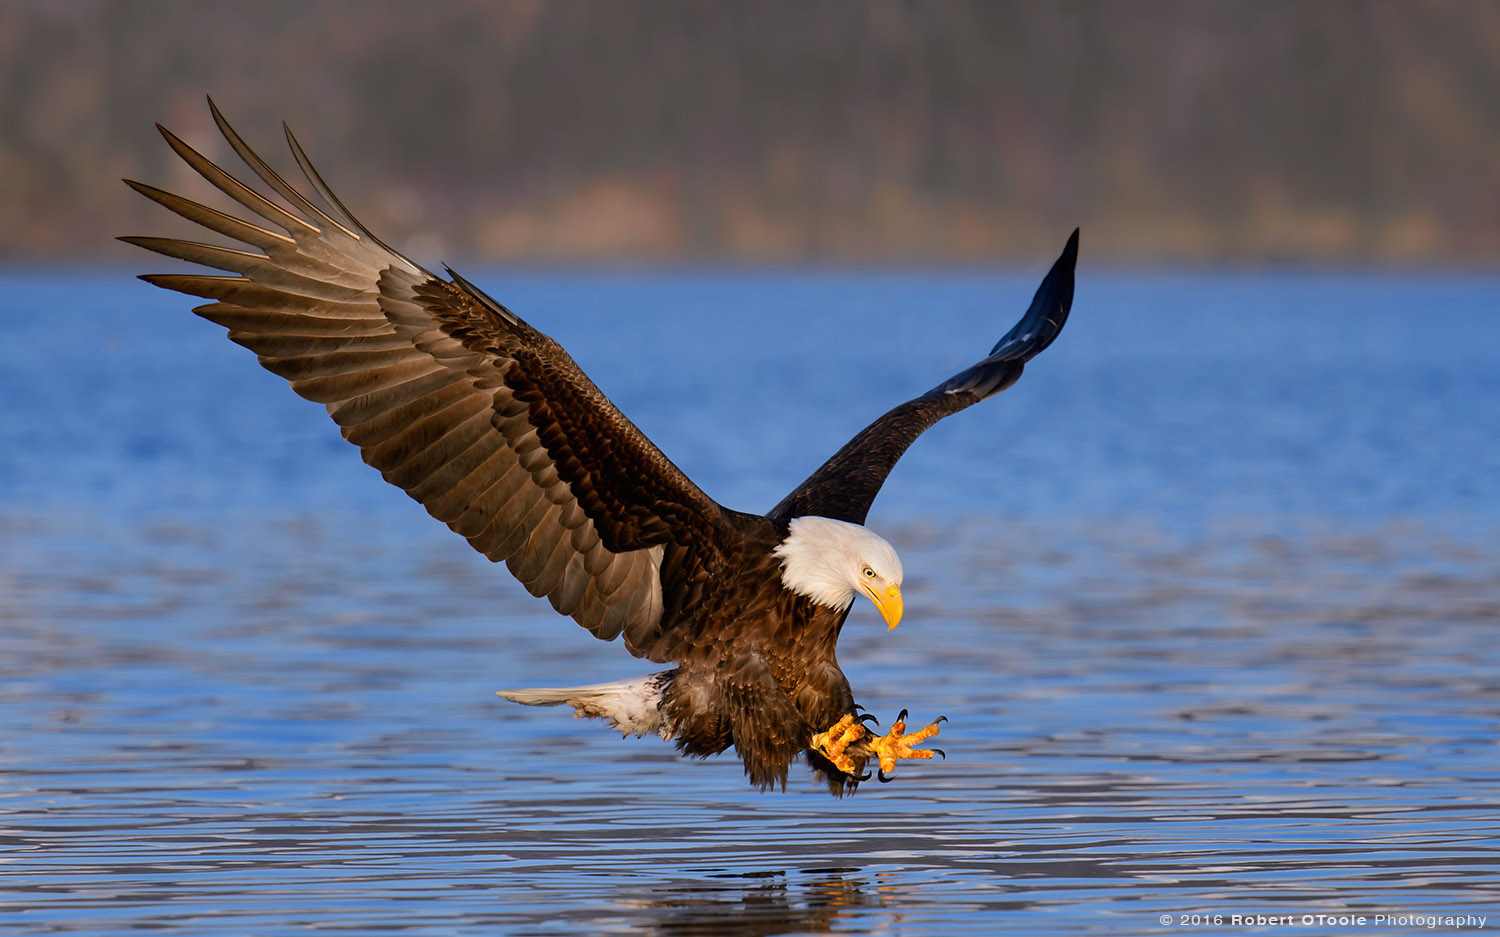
x,y
889,603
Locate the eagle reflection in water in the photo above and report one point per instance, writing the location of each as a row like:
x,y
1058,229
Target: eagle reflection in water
x,y
780,904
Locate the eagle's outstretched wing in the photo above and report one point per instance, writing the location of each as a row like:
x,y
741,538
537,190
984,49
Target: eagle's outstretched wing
x,y
457,401
844,487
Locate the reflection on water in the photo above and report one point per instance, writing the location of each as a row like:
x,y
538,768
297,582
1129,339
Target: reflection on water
x,y
750,904
1233,654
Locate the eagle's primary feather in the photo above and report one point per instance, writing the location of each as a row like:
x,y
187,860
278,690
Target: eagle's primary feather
x,y
493,428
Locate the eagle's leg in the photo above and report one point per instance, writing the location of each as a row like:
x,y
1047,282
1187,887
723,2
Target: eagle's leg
x,y
896,744
833,743
848,745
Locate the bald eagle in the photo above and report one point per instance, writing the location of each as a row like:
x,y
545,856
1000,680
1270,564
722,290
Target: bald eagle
x,y
489,423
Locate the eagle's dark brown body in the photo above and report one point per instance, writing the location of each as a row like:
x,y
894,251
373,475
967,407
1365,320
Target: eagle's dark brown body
x,y
763,680
499,434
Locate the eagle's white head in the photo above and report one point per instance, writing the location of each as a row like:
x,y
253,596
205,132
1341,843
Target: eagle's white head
x,y
831,561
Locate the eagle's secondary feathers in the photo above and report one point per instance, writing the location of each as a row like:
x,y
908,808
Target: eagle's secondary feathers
x,y
492,427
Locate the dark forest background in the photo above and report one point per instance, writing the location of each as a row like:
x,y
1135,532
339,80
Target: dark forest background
x,y
1242,131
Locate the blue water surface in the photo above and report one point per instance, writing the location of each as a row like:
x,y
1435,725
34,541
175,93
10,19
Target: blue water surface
x,y
1209,598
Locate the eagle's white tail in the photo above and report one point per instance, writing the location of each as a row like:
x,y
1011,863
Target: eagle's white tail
x,y
631,706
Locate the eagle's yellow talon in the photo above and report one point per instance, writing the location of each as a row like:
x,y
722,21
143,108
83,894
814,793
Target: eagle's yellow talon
x,y
896,744
831,744
848,745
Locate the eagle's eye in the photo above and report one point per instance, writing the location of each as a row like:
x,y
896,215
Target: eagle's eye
x,y
869,573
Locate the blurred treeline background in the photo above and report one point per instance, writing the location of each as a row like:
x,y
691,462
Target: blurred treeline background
x,y
1239,131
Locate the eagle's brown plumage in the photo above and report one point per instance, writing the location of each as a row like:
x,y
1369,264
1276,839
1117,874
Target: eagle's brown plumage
x,y
498,433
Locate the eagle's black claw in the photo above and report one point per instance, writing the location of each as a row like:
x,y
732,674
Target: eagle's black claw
x,y
902,717
862,777
868,717
940,720
941,752
883,778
